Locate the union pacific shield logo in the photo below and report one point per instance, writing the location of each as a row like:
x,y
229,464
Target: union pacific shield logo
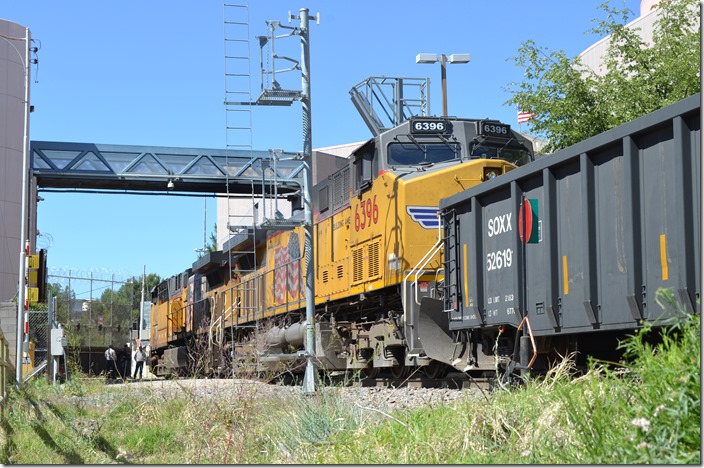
x,y
426,216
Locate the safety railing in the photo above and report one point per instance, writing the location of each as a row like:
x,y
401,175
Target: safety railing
x,y
419,269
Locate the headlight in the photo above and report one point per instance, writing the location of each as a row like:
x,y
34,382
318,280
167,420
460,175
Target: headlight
x,y
490,173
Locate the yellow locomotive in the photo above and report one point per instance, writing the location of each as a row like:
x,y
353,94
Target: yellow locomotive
x,y
377,249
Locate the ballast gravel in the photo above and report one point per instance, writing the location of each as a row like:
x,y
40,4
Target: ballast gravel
x,y
385,399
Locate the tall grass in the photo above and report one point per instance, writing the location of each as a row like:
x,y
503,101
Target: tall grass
x,y
645,411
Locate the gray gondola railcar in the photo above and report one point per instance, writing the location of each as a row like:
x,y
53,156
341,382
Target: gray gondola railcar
x,y
575,245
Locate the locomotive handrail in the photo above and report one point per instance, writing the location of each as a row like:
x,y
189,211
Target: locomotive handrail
x,y
216,328
437,276
422,263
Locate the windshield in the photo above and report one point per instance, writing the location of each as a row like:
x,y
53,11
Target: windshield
x,y
517,156
410,154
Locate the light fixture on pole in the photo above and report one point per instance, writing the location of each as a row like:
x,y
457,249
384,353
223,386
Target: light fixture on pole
x,y
442,58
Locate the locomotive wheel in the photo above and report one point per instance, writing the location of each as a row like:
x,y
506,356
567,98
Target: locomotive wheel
x,y
436,370
370,372
400,372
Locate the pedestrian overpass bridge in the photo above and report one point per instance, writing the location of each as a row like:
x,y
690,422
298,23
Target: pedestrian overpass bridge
x,y
90,166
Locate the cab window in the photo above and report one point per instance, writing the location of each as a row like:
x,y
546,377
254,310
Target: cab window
x,y
364,166
412,154
517,156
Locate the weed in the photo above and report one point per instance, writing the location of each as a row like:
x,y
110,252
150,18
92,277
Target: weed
x,y
644,410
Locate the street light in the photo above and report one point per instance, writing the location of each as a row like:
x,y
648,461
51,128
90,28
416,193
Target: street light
x,y
442,58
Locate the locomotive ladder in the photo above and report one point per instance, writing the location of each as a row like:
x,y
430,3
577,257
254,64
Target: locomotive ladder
x,y
451,291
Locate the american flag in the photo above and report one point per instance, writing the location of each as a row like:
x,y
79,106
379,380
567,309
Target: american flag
x,y
281,258
294,270
524,116
288,273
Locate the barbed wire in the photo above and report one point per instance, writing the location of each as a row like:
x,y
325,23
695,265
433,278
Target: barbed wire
x,y
44,240
95,274
89,283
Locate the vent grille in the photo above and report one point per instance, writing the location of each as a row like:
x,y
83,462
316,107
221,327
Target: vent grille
x,y
340,189
340,271
358,265
374,260
325,276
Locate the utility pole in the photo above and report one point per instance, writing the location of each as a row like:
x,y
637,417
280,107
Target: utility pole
x,y
141,306
284,97
311,373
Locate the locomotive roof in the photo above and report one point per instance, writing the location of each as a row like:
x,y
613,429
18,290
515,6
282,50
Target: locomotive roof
x,y
209,261
242,239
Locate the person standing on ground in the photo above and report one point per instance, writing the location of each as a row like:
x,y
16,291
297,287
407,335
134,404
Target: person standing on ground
x,y
139,357
125,361
110,363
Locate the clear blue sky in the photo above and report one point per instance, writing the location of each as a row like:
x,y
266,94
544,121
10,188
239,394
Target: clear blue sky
x,y
151,73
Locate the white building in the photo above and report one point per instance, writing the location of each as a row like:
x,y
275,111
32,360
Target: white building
x,y
593,56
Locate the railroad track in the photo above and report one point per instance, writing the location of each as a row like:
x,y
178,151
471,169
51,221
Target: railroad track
x,y
454,380
457,381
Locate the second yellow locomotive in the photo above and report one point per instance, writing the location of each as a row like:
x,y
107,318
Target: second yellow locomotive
x,y
377,250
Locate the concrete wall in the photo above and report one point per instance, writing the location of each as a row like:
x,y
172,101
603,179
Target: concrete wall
x,y
8,324
325,162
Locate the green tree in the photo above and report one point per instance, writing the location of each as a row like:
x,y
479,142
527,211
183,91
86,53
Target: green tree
x,y
64,299
109,318
213,240
212,245
573,103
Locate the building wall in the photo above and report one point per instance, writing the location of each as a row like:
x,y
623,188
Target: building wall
x,y
8,325
12,108
325,162
593,56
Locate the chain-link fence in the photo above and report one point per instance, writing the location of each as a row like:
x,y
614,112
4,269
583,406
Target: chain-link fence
x,y
95,313
38,342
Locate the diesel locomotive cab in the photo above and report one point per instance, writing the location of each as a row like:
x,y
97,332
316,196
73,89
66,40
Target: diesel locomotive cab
x,y
430,141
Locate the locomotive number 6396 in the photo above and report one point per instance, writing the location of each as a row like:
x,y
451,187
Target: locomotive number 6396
x,y
426,126
366,213
430,126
